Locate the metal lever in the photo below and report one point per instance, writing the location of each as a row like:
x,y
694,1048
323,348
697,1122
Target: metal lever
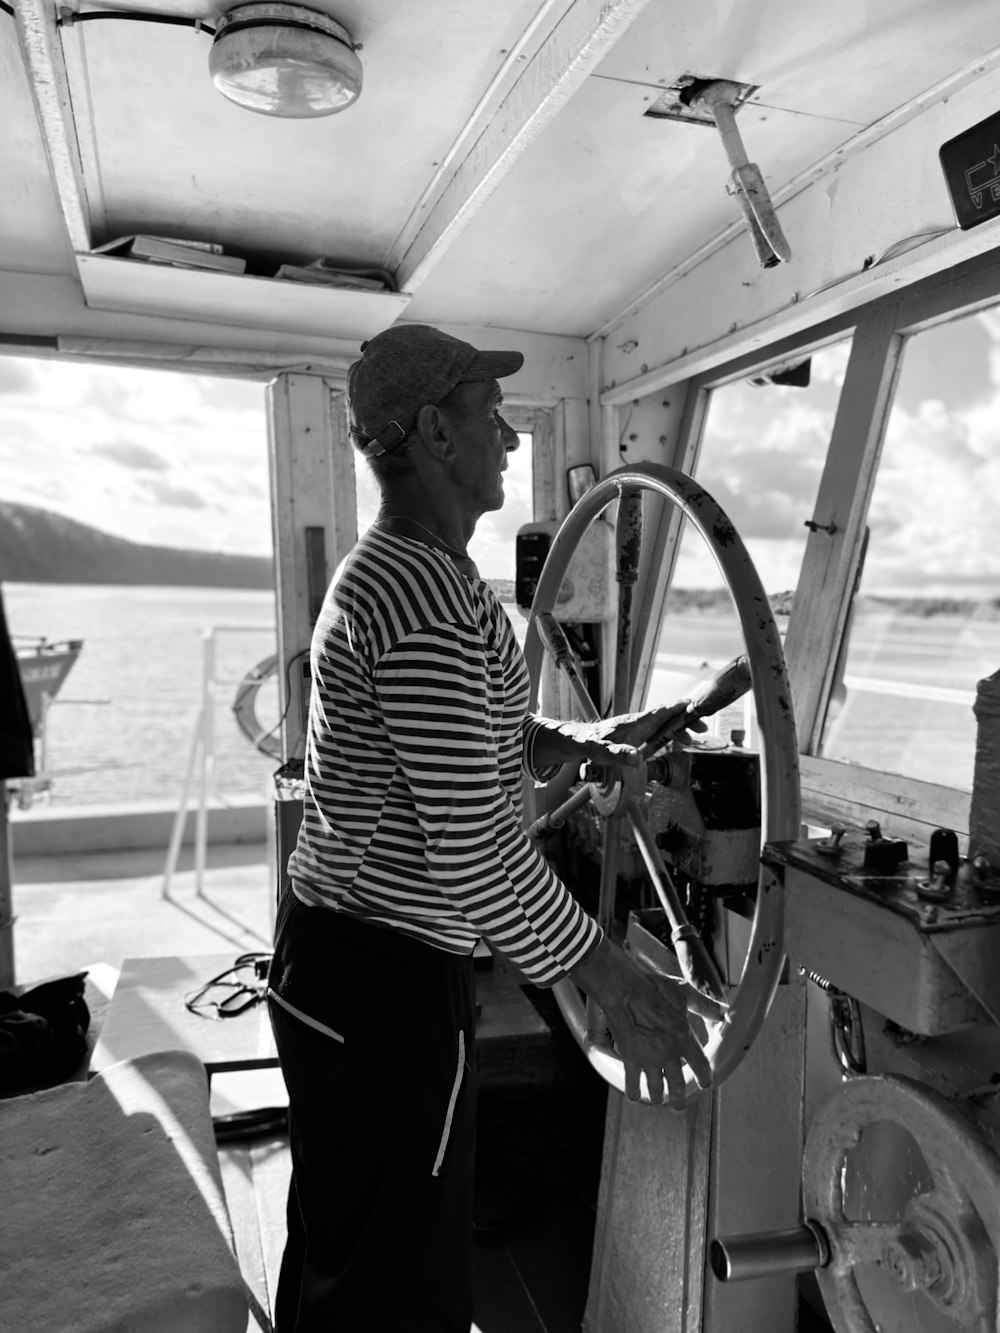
x,y
766,1253
746,183
728,684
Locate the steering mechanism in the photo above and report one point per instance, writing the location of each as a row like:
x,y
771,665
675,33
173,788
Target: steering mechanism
x,y
941,1244
619,802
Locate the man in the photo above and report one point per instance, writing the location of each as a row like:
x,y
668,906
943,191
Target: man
x,y
411,849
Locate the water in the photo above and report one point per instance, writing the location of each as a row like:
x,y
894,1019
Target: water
x,y
143,654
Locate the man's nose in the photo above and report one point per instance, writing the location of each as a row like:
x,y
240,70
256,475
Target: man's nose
x,y
510,437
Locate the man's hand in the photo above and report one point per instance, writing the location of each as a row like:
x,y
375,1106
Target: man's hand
x,y
613,740
647,1016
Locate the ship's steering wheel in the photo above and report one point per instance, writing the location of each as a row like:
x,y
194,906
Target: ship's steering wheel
x,y
725,1043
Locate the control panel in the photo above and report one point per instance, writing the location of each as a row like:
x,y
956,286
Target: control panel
x,y
911,931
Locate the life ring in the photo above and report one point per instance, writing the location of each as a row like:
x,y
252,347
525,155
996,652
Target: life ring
x,y
245,708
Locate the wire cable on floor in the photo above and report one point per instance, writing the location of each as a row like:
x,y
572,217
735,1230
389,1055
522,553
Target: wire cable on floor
x,y
233,991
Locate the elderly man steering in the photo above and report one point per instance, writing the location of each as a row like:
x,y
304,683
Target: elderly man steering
x,y
411,849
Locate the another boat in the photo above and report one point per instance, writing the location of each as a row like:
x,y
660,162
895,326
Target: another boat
x,y
44,666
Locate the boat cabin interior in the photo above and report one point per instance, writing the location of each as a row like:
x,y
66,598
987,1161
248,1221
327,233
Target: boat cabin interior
x,y
750,253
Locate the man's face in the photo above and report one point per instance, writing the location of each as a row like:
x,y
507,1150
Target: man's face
x,y
483,441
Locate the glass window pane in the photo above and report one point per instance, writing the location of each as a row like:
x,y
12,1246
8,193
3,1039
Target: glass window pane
x,y
761,459
925,625
494,545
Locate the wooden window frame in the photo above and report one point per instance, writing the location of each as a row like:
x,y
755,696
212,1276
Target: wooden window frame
x,y
833,789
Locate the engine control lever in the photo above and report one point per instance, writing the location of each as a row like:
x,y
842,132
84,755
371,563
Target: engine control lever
x,y
728,684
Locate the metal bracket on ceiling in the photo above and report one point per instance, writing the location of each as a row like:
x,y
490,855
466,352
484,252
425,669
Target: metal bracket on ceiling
x,y
746,182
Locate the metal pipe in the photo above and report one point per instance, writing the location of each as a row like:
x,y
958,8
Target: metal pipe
x,y
628,541
556,819
747,182
769,1253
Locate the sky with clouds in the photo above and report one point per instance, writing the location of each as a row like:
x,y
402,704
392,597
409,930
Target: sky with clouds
x,y
172,459
154,456
181,460
934,509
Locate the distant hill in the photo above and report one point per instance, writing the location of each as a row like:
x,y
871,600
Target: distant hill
x,y
39,546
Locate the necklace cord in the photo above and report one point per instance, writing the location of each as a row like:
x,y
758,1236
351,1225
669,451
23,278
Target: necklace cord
x,y
462,555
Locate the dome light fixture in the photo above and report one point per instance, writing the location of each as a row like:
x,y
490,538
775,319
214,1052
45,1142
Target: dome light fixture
x,y
285,60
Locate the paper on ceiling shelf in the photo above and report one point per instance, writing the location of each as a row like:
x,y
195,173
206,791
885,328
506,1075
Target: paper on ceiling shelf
x,y
327,265
170,250
329,277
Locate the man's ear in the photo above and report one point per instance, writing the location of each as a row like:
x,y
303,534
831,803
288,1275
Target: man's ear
x,y
435,431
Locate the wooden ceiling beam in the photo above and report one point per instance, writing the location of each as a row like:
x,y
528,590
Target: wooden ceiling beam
x,y
578,42
41,50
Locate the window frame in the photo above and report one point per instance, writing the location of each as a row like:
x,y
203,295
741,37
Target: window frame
x,y
835,789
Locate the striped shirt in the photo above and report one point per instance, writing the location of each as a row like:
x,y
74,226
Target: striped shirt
x,y
418,729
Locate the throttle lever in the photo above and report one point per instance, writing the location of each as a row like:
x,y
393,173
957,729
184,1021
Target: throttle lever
x,y
728,684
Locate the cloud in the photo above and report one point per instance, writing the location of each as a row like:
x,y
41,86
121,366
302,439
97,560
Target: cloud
x,y
176,497
45,493
131,455
106,432
16,375
952,360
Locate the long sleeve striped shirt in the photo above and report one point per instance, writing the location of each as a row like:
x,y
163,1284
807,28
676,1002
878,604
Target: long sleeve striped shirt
x,y
418,732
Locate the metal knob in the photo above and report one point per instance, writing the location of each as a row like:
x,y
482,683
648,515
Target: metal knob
x,y
944,847
831,846
938,887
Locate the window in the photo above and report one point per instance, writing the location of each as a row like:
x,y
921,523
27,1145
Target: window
x,y
925,623
761,459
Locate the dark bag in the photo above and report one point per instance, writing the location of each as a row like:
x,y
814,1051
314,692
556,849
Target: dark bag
x,y
43,1034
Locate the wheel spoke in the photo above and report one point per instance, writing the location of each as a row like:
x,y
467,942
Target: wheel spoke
x,y
609,871
606,903
558,647
555,819
694,958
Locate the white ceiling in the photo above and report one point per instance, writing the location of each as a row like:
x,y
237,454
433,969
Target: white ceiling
x,y
601,202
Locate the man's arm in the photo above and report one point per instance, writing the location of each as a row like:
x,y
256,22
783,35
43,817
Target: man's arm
x,y
432,690
611,740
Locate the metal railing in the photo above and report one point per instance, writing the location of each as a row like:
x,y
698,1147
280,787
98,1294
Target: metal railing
x,y
201,760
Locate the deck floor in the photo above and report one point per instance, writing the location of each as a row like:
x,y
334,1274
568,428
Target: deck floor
x,y
538,1148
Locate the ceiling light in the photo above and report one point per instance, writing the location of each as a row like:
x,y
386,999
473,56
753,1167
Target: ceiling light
x,y
284,60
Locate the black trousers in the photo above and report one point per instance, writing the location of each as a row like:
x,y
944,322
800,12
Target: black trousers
x,y
374,1033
